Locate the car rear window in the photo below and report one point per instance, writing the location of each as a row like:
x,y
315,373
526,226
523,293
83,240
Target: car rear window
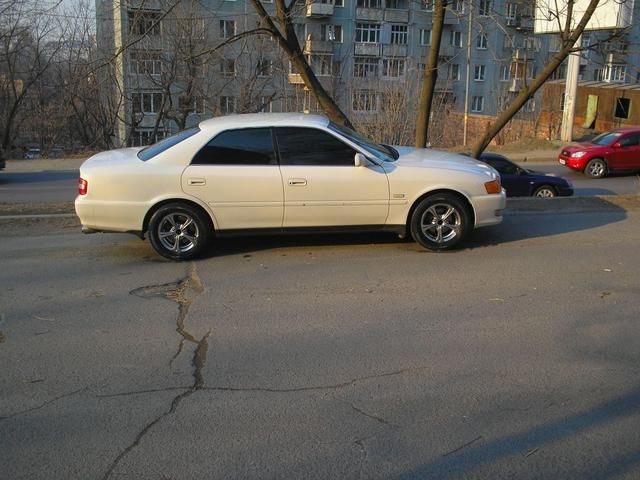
x,y
159,147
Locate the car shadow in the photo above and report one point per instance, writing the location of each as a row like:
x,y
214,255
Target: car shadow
x,y
582,192
16,178
462,462
524,219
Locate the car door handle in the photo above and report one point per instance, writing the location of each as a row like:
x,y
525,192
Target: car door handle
x,y
197,181
298,182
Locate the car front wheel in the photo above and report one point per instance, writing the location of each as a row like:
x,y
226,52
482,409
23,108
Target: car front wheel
x,y
545,191
440,222
596,168
179,231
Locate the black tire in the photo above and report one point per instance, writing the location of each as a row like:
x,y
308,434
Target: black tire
x,y
545,191
440,222
173,236
596,168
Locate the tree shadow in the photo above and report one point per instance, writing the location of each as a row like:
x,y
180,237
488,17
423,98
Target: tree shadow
x,y
464,461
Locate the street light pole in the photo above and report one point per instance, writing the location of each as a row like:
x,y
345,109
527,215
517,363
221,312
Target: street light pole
x,y
570,93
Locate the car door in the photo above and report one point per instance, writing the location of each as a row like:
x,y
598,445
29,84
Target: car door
x,y
237,175
322,185
627,156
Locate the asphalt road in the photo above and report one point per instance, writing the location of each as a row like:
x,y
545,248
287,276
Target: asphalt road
x,y
325,357
62,185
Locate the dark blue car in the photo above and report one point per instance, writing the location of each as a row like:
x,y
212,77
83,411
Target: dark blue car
x,y
520,182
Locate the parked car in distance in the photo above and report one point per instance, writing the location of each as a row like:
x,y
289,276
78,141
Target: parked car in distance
x,y
283,173
522,182
32,153
616,150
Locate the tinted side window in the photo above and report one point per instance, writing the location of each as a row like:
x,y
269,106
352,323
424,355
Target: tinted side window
x,y
502,166
308,146
157,148
630,140
249,146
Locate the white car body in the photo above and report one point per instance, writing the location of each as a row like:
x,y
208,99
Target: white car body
x,y
122,190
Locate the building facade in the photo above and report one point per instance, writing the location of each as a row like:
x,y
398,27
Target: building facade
x,y
172,66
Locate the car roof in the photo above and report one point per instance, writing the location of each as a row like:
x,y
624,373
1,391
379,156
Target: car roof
x,y
248,120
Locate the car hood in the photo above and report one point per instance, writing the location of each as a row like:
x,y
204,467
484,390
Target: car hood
x,y
581,147
119,156
546,177
428,158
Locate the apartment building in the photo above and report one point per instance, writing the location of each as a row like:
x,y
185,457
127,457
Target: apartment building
x,y
172,66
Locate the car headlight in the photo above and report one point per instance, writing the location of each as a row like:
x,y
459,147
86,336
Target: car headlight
x,y
578,154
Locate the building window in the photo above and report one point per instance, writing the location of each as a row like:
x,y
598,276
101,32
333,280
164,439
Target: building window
x,y
399,34
320,64
598,74
199,106
227,104
264,67
367,32
428,5
615,73
369,3
396,4
144,137
511,13
144,22
453,71
455,38
623,106
365,101
562,99
393,67
266,104
481,41
227,28
365,67
479,73
146,102
338,3
530,105
331,33
477,104
505,74
425,37
145,63
228,67
457,6
484,8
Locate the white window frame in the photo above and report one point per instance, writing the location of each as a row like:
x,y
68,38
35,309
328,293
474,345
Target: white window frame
x,y
477,104
368,66
370,31
423,34
227,101
479,73
484,8
455,38
399,34
367,98
227,28
482,41
393,68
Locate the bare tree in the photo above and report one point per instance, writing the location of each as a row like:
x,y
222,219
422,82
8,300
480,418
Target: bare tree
x,y
430,75
281,28
569,38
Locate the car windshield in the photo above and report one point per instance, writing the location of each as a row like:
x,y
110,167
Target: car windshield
x,y
159,147
606,138
381,152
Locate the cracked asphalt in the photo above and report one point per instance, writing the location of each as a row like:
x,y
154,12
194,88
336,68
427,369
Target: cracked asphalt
x,y
356,357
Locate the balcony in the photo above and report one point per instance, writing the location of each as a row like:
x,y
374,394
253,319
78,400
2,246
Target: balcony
x,y
521,23
394,50
295,79
318,46
367,49
396,16
516,84
444,85
319,9
372,14
451,18
447,50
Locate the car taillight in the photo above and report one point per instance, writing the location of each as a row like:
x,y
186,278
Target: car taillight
x,y
83,186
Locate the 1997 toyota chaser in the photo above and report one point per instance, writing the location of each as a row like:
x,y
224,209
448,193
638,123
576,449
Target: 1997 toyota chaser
x,y
258,173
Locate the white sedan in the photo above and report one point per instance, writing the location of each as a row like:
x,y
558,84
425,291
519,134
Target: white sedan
x,y
258,173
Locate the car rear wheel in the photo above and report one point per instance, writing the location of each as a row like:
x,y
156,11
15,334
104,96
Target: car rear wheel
x,y
440,222
596,168
179,231
545,191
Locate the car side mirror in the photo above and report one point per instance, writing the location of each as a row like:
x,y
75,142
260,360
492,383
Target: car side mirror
x,y
359,160
617,145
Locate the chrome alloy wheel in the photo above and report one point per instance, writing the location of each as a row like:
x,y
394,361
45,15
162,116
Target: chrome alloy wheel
x,y
596,168
178,232
545,192
441,223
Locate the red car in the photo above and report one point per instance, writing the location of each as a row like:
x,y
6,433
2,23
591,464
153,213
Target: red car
x,y
616,150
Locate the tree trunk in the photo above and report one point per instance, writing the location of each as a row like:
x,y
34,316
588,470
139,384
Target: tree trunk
x,y
290,43
430,76
569,39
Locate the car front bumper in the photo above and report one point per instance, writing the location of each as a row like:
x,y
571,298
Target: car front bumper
x,y
488,208
576,164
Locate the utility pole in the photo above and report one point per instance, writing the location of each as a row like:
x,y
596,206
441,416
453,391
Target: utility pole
x,y
570,93
468,76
